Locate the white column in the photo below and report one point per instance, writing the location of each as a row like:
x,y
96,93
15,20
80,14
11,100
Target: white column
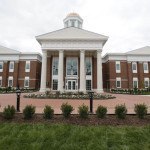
x,y
82,71
60,71
43,72
99,73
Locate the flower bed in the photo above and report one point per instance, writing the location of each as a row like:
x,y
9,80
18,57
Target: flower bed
x,y
68,95
9,90
134,91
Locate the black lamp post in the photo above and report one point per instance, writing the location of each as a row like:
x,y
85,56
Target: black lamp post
x,y
18,93
91,101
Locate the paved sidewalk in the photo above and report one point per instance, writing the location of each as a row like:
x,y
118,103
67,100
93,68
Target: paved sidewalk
x,y
128,100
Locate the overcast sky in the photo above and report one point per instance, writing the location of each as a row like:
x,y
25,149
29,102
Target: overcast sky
x,y
126,22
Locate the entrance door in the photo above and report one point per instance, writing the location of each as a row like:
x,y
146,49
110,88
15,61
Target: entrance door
x,y
71,85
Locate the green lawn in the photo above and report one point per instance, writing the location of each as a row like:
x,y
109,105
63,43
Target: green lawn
x,y
71,137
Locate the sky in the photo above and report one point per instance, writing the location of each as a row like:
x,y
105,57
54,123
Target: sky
x,y
125,22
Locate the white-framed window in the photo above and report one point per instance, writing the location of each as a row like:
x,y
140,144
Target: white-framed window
x,y
146,82
1,66
135,82
145,67
88,66
55,66
118,82
27,66
88,85
118,67
11,66
134,67
0,81
10,81
26,82
55,84
72,66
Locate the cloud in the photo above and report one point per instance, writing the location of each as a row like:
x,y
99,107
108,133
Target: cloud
x,y
126,22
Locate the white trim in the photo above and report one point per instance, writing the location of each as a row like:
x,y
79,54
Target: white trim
x,y
1,83
135,79
11,70
118,79
72,58
146,80
134,71
10,78
27,70
119,70
2,63
27,79
145,71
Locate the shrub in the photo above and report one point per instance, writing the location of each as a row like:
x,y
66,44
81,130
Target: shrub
x,y
9,112
141,110
83,111
101,111
121,111
29,111
48,112
66,110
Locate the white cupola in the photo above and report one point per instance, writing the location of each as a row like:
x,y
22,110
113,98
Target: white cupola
x,y
73,20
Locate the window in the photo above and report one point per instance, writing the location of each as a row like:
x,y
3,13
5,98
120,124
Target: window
x,y
146,82
118,70
134,67
118,82
88,65
145,67
72,67
26,82
55,84
0,81
27,67
11,67
135,82
55,66
1,66
10,82
72,23
88,85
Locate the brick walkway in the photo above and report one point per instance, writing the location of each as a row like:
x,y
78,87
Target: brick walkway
x,y
128,100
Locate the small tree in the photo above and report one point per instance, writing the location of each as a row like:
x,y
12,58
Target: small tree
x,y
48,112
9,112
101,111
141,110
29,111
83,111
121,111
66,110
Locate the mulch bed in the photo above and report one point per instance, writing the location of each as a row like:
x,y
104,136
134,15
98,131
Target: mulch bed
x,y
131,120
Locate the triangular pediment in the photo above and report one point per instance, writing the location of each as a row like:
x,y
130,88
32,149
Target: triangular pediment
x,y
5,50
140,51
71,33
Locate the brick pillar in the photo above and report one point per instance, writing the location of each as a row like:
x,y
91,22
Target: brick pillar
x,y
130,76
16,67
140,75
5,74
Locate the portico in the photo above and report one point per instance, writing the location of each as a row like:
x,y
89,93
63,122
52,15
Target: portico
x,y
72,58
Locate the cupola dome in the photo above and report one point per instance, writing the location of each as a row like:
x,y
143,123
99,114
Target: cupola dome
x,y
73,20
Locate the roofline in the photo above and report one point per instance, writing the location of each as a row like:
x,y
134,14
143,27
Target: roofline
x,y
71,27
10,48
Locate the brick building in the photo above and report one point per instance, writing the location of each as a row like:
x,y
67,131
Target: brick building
x,y
72,61
19,69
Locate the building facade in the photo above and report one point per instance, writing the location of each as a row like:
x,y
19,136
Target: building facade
x,y
71,61
19,69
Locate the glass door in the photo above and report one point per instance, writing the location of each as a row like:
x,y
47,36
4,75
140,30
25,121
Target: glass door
x,y
71,85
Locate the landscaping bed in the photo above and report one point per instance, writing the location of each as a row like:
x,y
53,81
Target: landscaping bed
x,y
68,95
131,120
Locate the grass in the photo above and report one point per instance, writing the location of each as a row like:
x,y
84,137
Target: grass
x,y
71,137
